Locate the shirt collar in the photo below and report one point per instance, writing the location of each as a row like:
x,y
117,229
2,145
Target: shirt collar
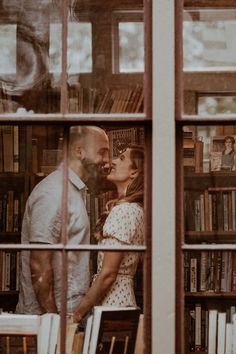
x,y
75,180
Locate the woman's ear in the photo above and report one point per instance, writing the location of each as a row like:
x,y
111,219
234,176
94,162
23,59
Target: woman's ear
x,y
134,174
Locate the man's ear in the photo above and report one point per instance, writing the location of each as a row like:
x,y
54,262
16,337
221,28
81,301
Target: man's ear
x,y
77,151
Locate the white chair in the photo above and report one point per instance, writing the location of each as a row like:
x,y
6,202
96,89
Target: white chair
x,y
45,327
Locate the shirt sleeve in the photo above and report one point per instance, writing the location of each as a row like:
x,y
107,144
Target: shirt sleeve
x,y
123,222
45,219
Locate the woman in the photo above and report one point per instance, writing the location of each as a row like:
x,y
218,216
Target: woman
x,y
122,225
228,154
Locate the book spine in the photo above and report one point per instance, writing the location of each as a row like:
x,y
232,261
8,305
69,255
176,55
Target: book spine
x,y
192,331
218,271
203,271
16,149
198,327
198,146
226,212
186,271
234,271
224,270
7,133
193,275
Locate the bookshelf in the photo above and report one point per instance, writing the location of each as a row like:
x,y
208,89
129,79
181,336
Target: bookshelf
x,y
208,268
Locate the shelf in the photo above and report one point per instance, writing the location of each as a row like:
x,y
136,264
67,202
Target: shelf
x,y
198,181
9,293
210,236
10,237
12,175
208,294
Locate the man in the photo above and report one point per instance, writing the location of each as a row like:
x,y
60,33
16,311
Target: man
x,y
40,281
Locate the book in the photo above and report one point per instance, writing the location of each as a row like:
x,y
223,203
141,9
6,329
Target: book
x,y
198,311
212,331
193,275
198,147
16,148
87,334
228,338
8,140
221,328
114,330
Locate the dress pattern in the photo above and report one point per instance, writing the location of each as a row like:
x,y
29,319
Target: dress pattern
x,y
124,226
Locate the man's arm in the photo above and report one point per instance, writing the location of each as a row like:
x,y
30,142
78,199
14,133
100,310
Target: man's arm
x,y
43,279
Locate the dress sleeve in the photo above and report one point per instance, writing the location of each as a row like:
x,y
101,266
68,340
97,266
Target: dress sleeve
x,y
124,223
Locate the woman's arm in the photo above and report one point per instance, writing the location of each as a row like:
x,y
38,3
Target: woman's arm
x,y
102,284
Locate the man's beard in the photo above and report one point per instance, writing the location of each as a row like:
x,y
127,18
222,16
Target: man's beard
x,y
96,174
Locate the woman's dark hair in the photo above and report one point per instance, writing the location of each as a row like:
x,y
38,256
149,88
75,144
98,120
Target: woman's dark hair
x,y
135,190
229,137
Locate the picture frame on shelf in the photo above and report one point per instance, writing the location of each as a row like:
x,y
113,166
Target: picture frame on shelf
x,y
223,153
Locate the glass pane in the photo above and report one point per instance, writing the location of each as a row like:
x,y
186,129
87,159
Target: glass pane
x,y
26,82
79,54
208,37
105,191
222,104
131,46
209,162
98,42
208,275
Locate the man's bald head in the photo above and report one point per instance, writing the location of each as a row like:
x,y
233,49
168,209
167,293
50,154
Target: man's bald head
x,y
88,149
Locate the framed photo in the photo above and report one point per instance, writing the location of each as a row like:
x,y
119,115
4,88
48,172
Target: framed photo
x,y
223,153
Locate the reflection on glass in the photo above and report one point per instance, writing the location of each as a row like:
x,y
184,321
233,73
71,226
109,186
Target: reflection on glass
x,y
25,82
7,49
216,105
208,37
79,52
131,46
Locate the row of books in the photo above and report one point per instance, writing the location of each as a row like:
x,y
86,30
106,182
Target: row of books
x,y
11,210
213,209
92,100
210,330
9,270
210,271
12,148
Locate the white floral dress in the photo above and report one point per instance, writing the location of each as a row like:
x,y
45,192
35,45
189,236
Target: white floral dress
x,y
123,226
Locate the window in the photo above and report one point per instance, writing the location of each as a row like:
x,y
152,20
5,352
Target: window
x,y
64,81
205,139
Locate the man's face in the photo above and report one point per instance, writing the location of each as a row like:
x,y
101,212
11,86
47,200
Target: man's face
x,y
96,157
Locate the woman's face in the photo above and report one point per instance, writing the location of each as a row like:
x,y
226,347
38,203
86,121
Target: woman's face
x,y
228,143
121,170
